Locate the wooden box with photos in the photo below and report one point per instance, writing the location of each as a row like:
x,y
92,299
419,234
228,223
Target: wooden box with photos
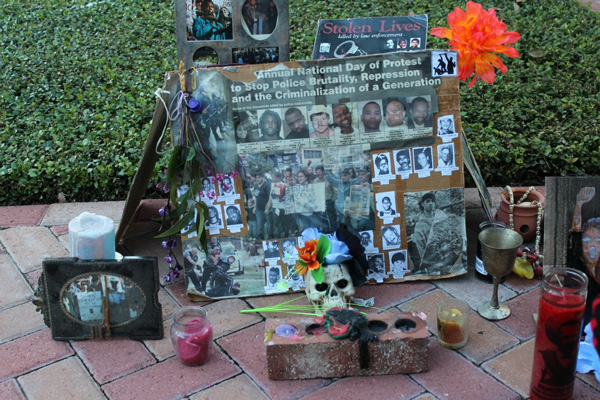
x,y
211,32
371,143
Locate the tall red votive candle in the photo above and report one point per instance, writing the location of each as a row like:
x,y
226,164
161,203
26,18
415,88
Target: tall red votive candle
x,y
560,315
191,335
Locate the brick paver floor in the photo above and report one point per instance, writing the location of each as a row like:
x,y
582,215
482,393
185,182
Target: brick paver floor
x,y
495,363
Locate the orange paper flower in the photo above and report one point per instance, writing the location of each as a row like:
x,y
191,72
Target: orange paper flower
x,y
308,254
476,34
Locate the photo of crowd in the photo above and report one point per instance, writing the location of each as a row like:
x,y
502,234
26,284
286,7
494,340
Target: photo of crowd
x,y
255,55
299,191
84,299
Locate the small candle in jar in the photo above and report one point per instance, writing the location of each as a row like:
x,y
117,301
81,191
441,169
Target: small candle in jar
x,y
452,322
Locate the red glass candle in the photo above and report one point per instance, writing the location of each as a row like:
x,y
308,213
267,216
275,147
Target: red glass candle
x,y
560,315
191,335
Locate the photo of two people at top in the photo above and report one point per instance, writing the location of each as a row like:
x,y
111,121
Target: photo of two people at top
x,y
208,20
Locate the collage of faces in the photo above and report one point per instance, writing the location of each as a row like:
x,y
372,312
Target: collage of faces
x,y
421,160
335,124
323,188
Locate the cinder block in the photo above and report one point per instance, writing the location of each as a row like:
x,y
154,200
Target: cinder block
x,y
321,356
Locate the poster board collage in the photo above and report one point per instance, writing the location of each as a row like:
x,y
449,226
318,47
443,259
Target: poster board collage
x,y
389,167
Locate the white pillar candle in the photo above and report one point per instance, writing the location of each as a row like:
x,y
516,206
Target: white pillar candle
x,y
92,237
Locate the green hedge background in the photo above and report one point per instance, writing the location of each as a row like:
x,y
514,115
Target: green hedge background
x,y
78,81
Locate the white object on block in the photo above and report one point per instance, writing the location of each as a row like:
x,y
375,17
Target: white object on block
x,y
92,237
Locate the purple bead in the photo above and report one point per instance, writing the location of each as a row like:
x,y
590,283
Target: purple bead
x,y
169,259
175,274
167,278
194,105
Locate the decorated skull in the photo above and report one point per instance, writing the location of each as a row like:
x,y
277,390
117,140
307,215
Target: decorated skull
x,y
334,291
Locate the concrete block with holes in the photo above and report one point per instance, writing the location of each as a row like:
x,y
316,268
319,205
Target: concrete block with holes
x,y
403,348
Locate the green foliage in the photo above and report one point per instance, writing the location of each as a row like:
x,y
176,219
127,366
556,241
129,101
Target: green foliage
x,y
78,95
540,119
79,79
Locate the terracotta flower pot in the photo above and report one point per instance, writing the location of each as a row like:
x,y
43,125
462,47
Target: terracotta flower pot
x,y
524,214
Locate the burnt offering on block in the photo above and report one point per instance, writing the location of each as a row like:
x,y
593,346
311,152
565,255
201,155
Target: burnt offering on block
x,y
402,348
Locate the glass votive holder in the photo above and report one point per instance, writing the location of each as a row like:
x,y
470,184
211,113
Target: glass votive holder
x,y
191,335
453,323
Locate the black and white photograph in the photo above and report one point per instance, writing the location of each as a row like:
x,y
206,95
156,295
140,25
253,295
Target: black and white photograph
x,y
290,253
227,188
271,250
295,281
207,191
234,216
390,237
376,267
385,203
446,156
444,63
435,229
366,240
275,282
398,264
402,162
423,157
383,165
215,218
446,128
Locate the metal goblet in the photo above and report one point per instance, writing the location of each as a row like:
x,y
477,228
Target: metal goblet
x,y
499,250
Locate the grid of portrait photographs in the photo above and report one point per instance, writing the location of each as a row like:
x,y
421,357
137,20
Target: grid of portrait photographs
x,y
389,119
215,32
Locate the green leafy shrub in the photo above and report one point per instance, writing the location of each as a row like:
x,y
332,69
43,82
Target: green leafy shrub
x,y
79,79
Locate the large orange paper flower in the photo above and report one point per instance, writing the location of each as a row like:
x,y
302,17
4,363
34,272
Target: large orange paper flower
x,y
476,34
308,256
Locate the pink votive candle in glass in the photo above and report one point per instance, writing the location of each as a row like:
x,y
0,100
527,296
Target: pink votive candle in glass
x,y
191,335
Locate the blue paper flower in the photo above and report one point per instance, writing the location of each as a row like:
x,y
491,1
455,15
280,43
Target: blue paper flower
x,y
339,251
